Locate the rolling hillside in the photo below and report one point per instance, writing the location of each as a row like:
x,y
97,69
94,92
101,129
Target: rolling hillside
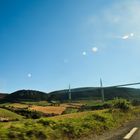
x,y
6,114
86,93
95,93
26,95
3,95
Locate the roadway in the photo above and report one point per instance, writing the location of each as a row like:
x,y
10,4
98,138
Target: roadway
x,y
136,136
129,131
120,133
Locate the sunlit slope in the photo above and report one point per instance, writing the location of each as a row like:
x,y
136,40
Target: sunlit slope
x,y
6,114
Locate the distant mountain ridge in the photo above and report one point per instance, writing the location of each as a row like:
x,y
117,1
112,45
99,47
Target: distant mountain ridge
x,y
85,93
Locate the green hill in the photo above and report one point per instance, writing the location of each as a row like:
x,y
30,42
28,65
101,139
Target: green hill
x,y
3,95
86,93
95,93
26,95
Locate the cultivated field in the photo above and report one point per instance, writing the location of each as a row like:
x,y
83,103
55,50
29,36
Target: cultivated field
x,y
72,105
18,105
49,109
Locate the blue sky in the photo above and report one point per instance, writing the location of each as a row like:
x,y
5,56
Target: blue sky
x,y
47,44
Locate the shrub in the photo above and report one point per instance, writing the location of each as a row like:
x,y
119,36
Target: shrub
x,y
136,102
47,122
121,104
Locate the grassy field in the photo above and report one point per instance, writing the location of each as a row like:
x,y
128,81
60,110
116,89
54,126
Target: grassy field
x,y
18,105
71,126
6,114
26,104
90,102
39,103
67,126
75,115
